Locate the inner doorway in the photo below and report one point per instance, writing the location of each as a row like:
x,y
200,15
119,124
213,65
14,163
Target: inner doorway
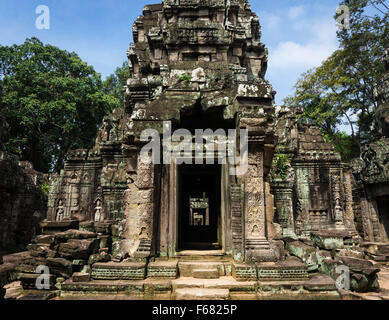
x,y
199,207
383,210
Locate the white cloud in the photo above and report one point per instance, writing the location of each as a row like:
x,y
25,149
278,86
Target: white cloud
x,y
270,20
291,55
295,12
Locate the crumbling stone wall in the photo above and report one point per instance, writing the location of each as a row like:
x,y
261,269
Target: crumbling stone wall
x,y
312,186
22,201
371,171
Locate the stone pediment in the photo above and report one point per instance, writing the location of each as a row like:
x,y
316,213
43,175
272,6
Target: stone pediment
x,y
373,166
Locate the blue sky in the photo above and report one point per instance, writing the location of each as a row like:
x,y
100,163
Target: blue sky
x,y
298,33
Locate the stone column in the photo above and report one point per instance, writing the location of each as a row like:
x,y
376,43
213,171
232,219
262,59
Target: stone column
x,y
336,195
348,210
256,243
237,226
145,184
302,199
283,193
138,228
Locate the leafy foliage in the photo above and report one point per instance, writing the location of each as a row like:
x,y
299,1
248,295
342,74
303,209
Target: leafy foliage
x,y
45,189
185,77
114,84
341,90
281,162
52,100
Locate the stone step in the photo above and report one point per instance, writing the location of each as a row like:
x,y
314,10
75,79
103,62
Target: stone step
x,y
206,273
150,286
29,281
186,268
201,255
103,286
119,271
221,283
38,295
202,294
162,269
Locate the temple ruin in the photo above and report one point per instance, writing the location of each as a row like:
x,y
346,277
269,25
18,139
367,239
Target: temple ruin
x,y
279,229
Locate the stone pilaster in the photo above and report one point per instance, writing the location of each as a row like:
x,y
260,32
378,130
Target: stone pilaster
x,y
337,199
256,243
237,225
348,207
302,199
145,185
283,191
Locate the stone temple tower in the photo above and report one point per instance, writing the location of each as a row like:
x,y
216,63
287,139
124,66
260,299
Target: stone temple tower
x,y
195,65
199,66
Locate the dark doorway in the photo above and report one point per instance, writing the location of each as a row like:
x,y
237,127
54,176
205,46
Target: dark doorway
x,y
199,207
383,210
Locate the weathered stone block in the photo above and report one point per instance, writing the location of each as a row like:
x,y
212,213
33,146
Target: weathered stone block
x,y
38,250
359,265
244,272
290,269
320,282
103,228
78,249
157,287
94,287
81,277
328,239
202,294
100,257
30,265
162,269
16,258
31,281
87,226
306,253
186,267
53,227
74,234
278,247
60,267
105,241
321,255
205,273
376,251
119,271
352,252
363,274
79,262
47,240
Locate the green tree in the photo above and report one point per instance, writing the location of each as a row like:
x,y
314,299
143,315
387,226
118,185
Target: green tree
x,y
114,84
52,100
341,90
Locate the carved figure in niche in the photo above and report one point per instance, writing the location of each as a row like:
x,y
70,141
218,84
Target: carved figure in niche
x,y
143,233
255,231
74,178
60,212
106,130
98,210
371,165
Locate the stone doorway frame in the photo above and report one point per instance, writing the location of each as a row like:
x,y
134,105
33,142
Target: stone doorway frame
x,y
168,222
